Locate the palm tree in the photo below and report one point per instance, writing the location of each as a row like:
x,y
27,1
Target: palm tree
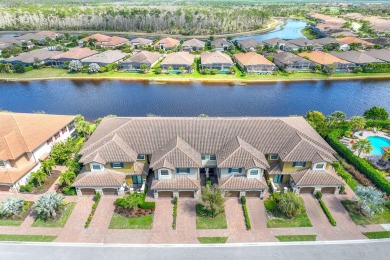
x,y
38,177
67,178
357,123
47,166
362,146
49,205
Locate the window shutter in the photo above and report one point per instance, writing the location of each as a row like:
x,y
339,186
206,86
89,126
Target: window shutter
x,y
230,170
122,165
188,170
240,170
177,170
111,165
304,164
294,164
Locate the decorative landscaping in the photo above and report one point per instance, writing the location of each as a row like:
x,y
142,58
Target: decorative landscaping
x,y
360,218
174,214
294,238
210,214
13,211
133,212
286,210
96,198
325,209
212,240
52,211
246,215
377,235
27,238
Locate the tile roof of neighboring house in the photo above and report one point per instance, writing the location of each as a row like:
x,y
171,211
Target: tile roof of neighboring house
x,y
75,54
324,41
274,41
322,58
167,42
12,175
21,133
301,42
290,136
250,43
176,182
356,57
106,57
241,183
106,178
176,153
314,177
5,45
31,36
238,152
381,54
105,40
287,57
220,43
180,58
251,58
31,56
379,40
309,177
194,43
350,40
12,40
215,57
142,41
144,57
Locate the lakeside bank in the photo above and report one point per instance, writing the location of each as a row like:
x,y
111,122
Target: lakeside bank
x,y
57,74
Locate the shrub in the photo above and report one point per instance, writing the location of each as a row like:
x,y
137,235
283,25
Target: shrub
x,y
97,197
318,195
342,190
347,177
290,205
26,188
11,207
243,200
212,200
375,175
49,206
147,205
327,213
387,204
131,201
270,204
276,196
69,191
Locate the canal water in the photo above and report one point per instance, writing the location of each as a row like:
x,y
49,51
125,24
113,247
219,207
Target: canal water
x,y
124,98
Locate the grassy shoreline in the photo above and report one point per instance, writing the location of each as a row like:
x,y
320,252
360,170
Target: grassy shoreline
x,y
57,74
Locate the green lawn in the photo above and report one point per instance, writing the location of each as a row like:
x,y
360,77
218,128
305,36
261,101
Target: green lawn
x,y
293,238
27,238
59,222
359,219
308,34
300,221
212,240
219,222
53,73
120,222
7,222
377,235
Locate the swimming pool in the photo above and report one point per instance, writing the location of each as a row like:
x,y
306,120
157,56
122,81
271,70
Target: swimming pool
x,y
377,142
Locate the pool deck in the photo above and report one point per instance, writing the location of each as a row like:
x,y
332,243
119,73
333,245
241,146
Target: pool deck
x,y
374,158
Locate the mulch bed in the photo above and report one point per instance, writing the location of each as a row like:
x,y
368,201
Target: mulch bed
x,y
24,215
46,185
131,213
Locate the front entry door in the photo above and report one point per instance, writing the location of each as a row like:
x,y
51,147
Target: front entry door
x,y
278,178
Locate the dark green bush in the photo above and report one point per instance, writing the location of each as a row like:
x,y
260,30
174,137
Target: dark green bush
x,y
270,204
69,191
26,188
97,197
246,215
376,176
201,211
147,205
318,195
243,200
327,213
347,177
342,190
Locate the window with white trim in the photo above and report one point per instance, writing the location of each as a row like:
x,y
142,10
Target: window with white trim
x,y
273,156
96,167
203,157
141,157
319,166
2,164
164,172
235,170
299,164
117,165
254,172
213,157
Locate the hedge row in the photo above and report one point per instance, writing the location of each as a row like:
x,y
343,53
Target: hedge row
x,y
347,177
96,198
376,176
174,214
327,213
378,123
246,215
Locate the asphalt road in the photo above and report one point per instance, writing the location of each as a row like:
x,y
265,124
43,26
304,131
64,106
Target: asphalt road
x,y
371,249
